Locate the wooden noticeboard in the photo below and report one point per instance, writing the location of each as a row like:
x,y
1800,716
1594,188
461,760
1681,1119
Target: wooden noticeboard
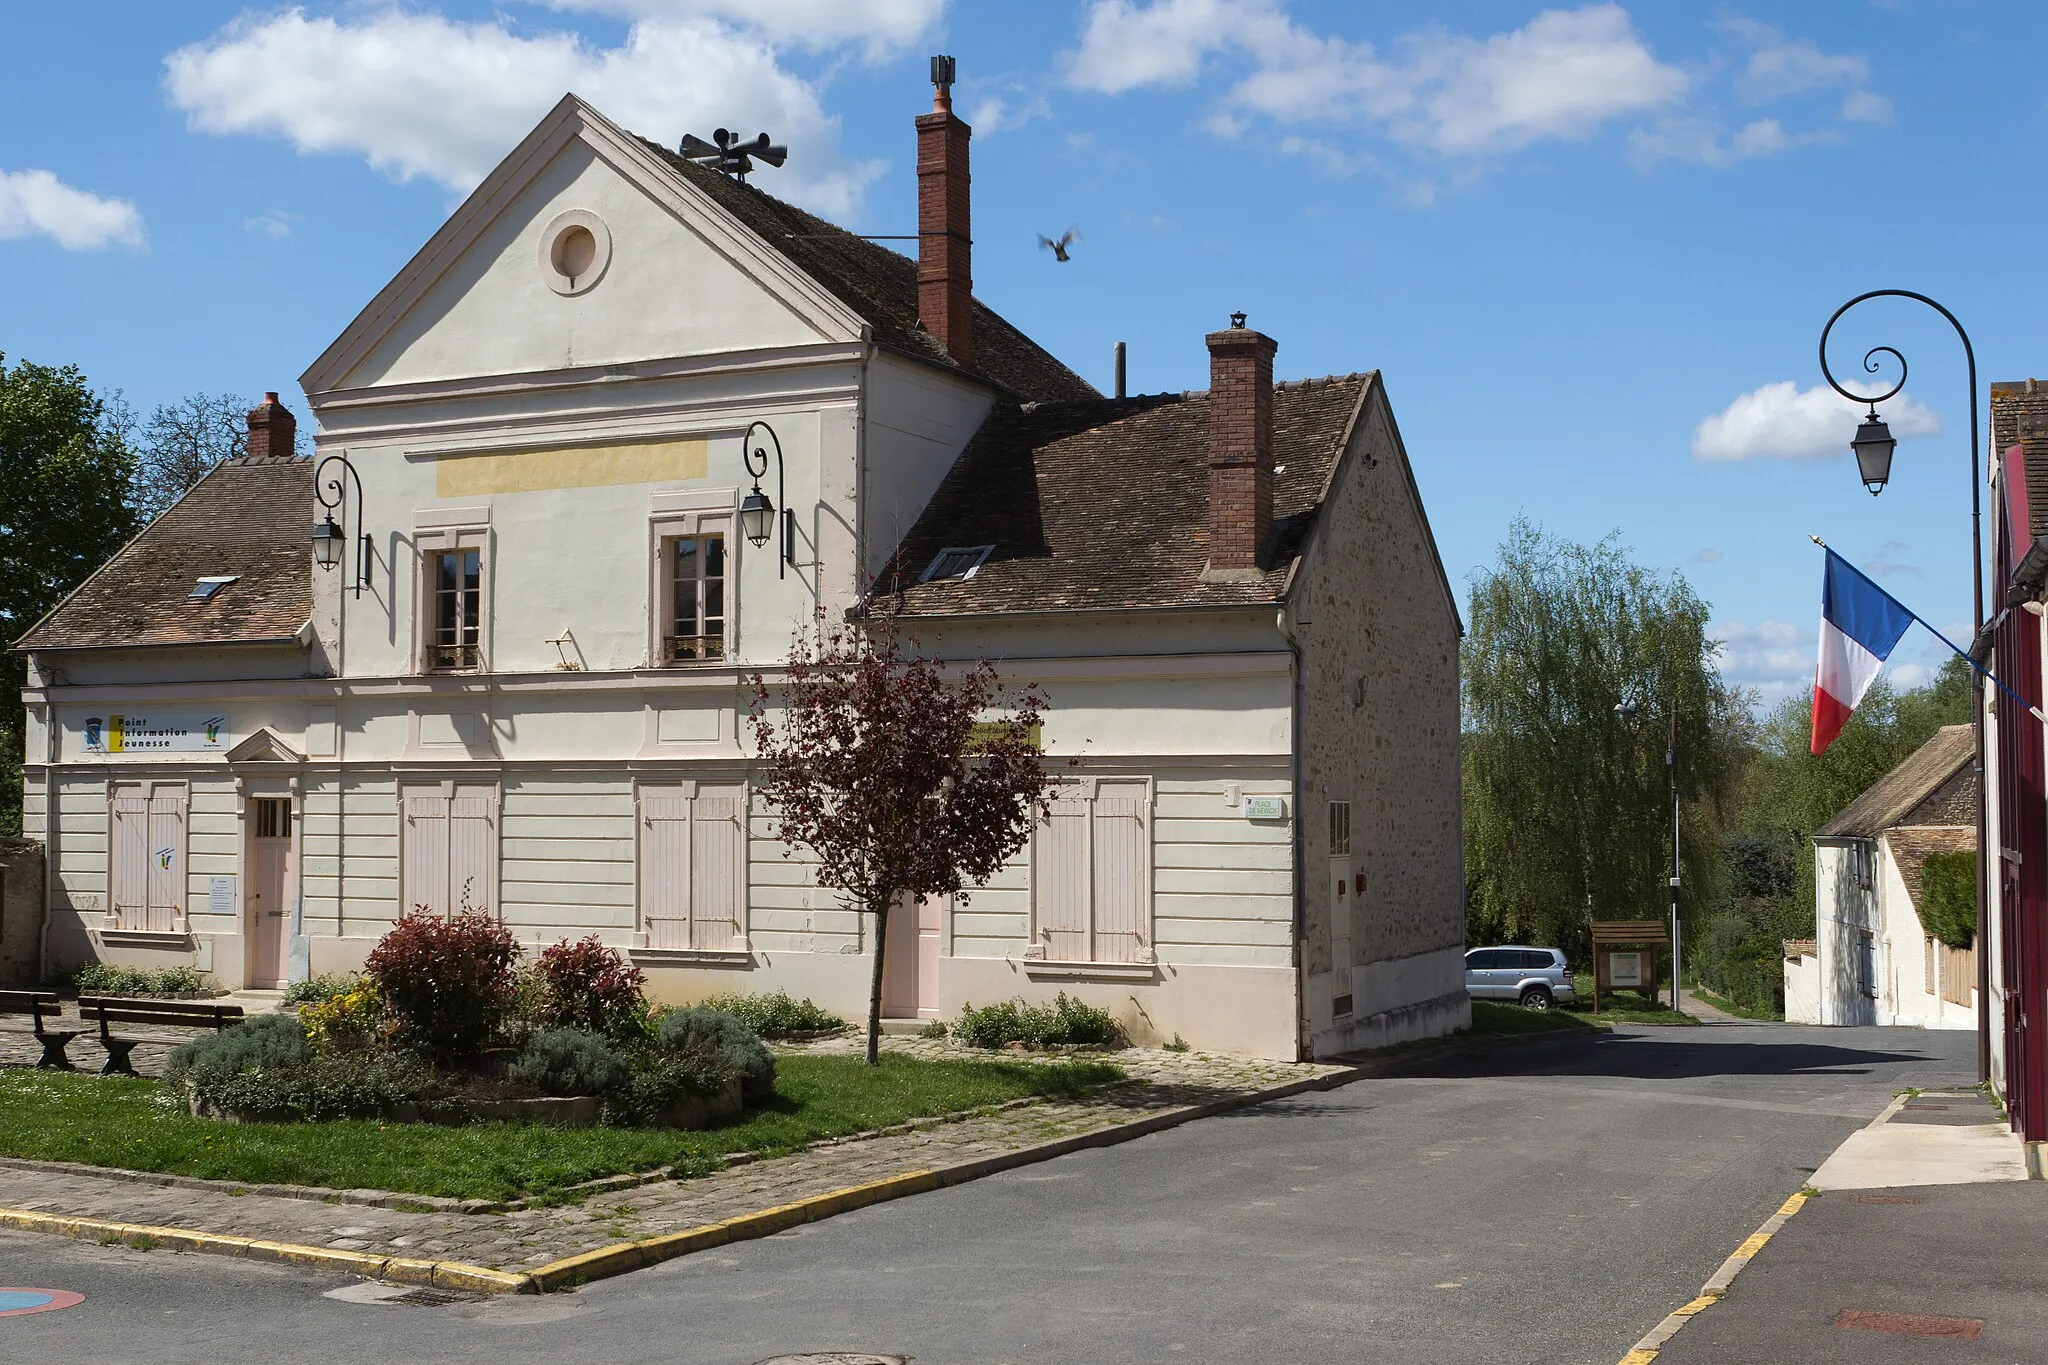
x,y
1635,943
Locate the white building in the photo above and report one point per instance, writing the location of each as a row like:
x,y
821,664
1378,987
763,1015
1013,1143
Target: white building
x,y
533,697
1870,961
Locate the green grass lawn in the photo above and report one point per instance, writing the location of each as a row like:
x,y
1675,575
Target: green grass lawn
x,y
1499,1017
1727,1006
1621,1008
112,1121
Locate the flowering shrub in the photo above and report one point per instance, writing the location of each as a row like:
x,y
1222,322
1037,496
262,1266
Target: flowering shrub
x,y
352,1021
585,985
1063,1022
446,983
776,1015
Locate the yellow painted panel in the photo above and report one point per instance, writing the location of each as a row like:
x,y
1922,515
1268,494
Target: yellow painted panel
x,y
523,471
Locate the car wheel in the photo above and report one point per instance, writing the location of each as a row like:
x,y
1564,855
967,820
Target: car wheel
x,y
1536,998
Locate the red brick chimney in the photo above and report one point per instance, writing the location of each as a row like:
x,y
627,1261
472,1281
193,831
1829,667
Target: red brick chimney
x,y
1240,449
945,278
273,431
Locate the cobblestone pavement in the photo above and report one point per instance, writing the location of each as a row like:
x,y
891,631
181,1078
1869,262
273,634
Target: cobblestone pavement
x,y
1158,1082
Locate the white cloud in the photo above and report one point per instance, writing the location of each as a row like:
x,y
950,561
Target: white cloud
x,y
1563,75
1774,657
276,223
1779,69
38,204
880,26
1699,141
1861,106
1007,106
1708,555
418,94
1782,421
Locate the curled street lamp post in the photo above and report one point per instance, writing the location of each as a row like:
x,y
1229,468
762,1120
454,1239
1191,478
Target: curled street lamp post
x,y
756,512
1873,447
328,537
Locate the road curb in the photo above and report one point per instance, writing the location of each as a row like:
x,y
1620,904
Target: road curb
x,y
623,1257
397,1269
1647,1349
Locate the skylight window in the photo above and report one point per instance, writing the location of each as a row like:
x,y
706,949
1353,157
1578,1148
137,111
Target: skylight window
x,y
957,561
207,586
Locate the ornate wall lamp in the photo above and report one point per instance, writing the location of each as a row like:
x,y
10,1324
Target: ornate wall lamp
x,y
328,536
757,514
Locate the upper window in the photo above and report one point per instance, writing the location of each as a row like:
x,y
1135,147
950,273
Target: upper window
x,y
698,570
575,248
1340,828
456,582
956,561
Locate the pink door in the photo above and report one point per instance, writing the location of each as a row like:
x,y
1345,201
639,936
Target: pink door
x,y
910,966
269,909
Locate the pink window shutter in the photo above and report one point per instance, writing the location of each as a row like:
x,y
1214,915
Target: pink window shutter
x,y
665,870
128,862
472,854
717,870
1119,879
166,880
1060,883
426,854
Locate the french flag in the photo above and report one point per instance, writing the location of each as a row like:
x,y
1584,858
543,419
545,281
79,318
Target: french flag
x,y
1860,625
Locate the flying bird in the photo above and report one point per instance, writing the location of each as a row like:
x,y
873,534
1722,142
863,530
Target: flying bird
x,y
1059,248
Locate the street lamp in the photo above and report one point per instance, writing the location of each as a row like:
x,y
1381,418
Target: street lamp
x,y
1873,446
756,512
328,536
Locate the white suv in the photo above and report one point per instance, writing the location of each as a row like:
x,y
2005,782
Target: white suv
x,y
1534,977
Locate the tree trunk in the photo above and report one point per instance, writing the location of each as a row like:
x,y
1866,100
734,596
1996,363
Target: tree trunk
x,y
881,913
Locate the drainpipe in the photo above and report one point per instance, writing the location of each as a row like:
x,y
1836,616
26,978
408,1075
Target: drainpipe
x,y
49,836
1296,938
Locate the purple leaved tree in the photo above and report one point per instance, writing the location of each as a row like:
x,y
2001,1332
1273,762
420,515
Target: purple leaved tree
x,y
904,776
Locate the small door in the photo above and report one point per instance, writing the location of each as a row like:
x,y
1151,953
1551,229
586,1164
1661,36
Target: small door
x,y
268,905
1340,934
910,965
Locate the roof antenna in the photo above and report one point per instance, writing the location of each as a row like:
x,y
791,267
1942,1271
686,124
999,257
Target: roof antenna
x,y
725,152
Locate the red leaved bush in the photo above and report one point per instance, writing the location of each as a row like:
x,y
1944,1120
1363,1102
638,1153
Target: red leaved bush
x,y
884,765
447,983
589,986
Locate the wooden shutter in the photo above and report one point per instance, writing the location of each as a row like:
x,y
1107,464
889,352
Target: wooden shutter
x,y
472,851
717,868
1958,974
425,874
128,861
1122,931
166,881
665,870
1061,885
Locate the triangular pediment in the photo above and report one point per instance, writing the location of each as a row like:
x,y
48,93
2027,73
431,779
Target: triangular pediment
x,y
681,276
264,747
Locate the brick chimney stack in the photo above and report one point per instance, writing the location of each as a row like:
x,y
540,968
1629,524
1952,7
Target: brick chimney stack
x,y
945,277
1240,450
273,431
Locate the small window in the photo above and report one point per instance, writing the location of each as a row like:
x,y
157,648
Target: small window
x,y
273,818
697,581
457,585
1340,828
957,561
1538,960
1482,960
209,585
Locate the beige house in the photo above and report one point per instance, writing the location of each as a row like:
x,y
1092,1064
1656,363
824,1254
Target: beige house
x,y
1870,960
522,682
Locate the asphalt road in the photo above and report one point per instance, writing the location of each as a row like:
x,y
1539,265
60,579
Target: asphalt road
x,y
1548,1203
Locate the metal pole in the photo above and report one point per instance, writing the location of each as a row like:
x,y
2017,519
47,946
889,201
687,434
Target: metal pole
x,y
1671,766
1977,588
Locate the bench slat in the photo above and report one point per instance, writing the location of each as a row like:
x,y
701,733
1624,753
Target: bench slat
x,y
121,1011
44,1003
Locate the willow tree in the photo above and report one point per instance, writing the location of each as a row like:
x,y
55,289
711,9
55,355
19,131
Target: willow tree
x,y
1577,664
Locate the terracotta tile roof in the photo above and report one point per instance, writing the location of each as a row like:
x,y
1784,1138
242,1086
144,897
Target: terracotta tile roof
x,y
1104,504
1891,798
1911,844
253,519
881,286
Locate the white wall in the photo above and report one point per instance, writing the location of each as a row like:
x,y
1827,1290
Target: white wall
x,y
1845,909
1903,995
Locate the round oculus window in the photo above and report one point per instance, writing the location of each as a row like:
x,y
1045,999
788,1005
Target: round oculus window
x,y
575,248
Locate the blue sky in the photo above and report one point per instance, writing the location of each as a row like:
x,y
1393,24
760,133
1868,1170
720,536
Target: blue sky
x,y
1590,247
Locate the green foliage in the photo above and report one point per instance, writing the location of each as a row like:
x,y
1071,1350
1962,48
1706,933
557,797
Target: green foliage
x,y
585,985
353,1021
568,1061
446,982
657,1077
315,989
320,1089
1567,807
97,978
265,1041
776,1015
724,1036
1948,898
1064,1022
932,1028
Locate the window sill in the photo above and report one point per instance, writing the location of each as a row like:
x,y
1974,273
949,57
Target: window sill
x,y
735,958
175,939
1039,969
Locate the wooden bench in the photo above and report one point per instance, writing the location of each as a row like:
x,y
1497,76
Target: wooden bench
x,y
107,1010
38,1006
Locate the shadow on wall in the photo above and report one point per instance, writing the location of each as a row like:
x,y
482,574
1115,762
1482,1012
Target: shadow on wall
x,y
21,912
